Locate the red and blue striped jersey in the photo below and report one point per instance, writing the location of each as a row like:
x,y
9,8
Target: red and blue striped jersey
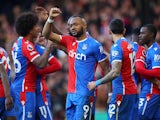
x,y
152,61
122,50
4,59
23,54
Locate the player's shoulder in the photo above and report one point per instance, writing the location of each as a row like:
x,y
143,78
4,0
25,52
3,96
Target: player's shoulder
x,y
68,37
93,41
153,47
3,52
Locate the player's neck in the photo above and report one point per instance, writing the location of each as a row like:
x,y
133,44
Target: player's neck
x,y
82,37
116,37
29,38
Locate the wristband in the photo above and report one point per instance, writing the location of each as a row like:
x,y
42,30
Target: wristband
x,y
49,20
98,82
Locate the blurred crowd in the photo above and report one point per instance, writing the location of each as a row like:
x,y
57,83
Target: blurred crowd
x,y
98,14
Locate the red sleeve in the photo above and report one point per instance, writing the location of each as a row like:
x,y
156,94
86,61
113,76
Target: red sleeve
x,y
54,66
66,40
140,66
29,51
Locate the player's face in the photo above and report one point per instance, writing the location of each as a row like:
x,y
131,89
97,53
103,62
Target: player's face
x,y
76,27
144,36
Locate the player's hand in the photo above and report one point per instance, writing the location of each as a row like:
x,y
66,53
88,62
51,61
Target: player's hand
x,y
42,13
8,102
54,12
92,85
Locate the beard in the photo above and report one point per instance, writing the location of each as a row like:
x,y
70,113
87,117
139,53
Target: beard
x,y
78,34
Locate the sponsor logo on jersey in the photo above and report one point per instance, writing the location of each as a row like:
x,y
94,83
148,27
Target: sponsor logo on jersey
x,y
79,56
156,57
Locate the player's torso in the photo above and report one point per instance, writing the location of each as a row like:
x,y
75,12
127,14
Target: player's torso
x,y
152,61
24,69
123,51
82,64
4,59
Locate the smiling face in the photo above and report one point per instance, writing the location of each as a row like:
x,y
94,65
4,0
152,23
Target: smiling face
x,y
76,26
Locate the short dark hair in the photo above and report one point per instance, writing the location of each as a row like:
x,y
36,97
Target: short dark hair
x,y
151,29
25,23
117,26
80,16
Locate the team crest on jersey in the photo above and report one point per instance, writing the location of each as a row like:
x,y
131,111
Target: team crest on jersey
x,y
101,49
84,47
114,53
155,48
30,47
115,45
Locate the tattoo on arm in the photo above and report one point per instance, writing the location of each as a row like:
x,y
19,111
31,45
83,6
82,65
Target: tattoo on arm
x,y
115,71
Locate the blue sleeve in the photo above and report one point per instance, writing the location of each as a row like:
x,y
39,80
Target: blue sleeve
x,y
116,53
155,58
99,52
40,49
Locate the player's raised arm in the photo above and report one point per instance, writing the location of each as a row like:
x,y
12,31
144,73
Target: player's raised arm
x,y
47,29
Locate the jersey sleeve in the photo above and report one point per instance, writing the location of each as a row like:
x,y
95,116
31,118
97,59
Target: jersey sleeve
x,y
29,51
1,59
54,66
140,65
116,53
99,52
66,40
140,56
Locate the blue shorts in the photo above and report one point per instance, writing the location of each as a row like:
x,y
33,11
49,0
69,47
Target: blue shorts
x,y
43,106
122,107
79,107
24,106
149,106
2,108
2,104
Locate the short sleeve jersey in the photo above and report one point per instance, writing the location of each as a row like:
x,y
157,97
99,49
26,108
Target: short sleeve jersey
x,y
24,53
4,59
152,61
122,51
83,57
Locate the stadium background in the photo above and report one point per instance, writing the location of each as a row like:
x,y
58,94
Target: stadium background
x,y
98,14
